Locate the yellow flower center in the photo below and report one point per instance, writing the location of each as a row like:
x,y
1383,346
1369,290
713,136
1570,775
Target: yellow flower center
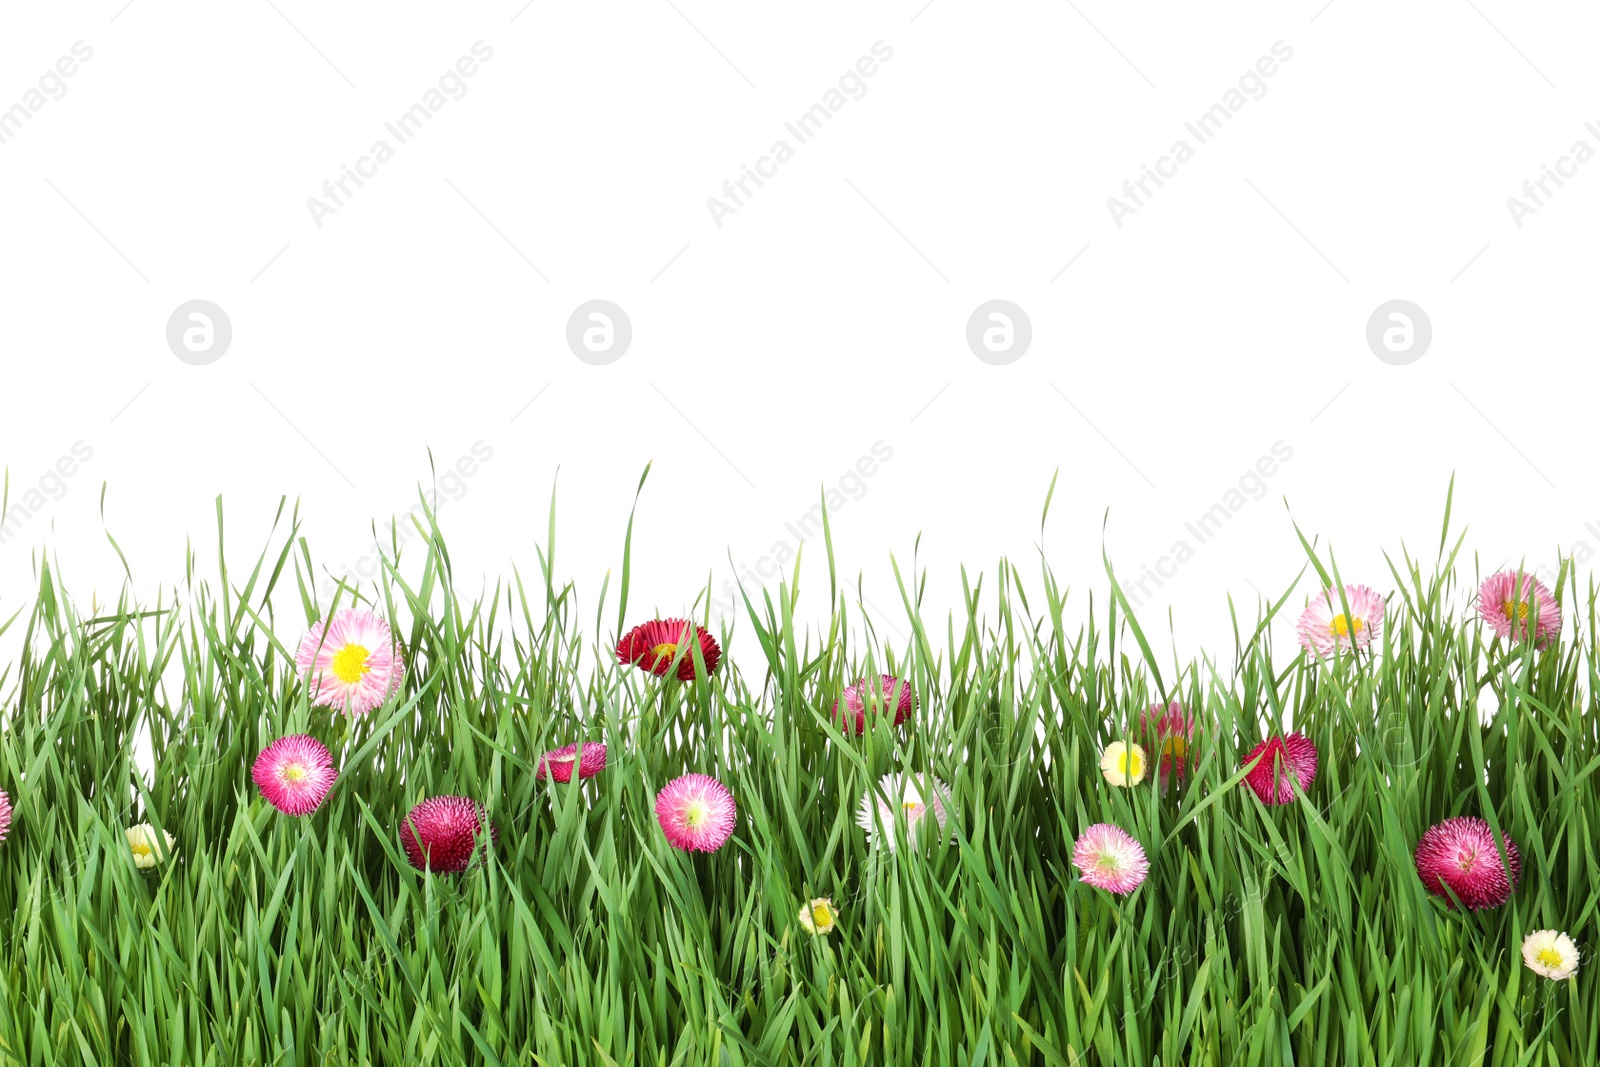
x,y
1515,611
695,813
350,663
665,650
293,772
1132,763
822,915
1341,626
1550,957
1176,747
142,849
912,808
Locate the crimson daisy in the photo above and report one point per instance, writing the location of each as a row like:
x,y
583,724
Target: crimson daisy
x,y
1461,854
558,763
294,773
876,693
1280,764
442,833
653,645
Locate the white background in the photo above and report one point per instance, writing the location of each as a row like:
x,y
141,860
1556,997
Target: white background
x,y
827,314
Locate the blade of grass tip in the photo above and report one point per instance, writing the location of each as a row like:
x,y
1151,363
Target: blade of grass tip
x,y
627,555
1127,610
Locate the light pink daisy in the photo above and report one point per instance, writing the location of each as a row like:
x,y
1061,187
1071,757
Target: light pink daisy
x,y
1324,626
696,812
1172,731
294,773
874,693
901,793
1109,858
559,762
441,834
1283,763
1461,853
1510,607
352,662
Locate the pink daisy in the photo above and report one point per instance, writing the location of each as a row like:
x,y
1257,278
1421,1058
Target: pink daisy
x,y
1508,606
442,833
696,813
1324,626
5,814
352,661
1109,858
652,646
877,694
1174,733
1293,757
1460,853
903,793
294,773
558,762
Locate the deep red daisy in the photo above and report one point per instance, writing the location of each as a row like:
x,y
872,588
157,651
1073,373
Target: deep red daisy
x,y
558,762
876,693
652,646
1461,853
446,834
1284,762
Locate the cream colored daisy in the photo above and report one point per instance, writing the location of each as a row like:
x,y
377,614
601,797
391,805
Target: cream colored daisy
x,y
1122,763
820,916
1550,953
142,841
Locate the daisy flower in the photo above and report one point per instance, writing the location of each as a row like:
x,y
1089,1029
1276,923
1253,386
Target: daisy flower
x,y
1460,854
1550,953
1509,606
294,773
442,834
5,814
1283,763
558,763
142,843
1122,763
866,692
653,645
819,917
1109,858
1174,733
352,661
1324,626
696,812
902,792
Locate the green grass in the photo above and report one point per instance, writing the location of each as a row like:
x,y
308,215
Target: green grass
x,y
1298,934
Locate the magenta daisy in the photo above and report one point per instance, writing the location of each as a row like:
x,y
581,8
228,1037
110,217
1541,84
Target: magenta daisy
x,y
558,763
876,693
696,813
1325,627
1461,854
902,793
652,646
351,661
1109,858
1283,762
1510,607
5,814
294,773
1172,731
442,834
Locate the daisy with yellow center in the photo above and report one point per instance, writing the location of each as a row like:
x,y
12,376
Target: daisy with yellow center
x,y
1550,953
1123,764
351,661
142,843
1337,621
819,917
